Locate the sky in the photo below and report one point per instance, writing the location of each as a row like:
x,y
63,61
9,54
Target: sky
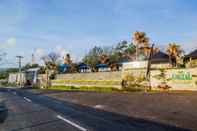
x,y
75,26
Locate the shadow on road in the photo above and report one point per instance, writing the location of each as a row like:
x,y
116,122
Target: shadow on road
x,y
3,112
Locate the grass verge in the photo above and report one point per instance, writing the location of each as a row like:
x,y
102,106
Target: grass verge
x,y
84,88
92,89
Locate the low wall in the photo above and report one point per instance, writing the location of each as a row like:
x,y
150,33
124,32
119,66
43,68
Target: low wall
x,y
177,79
92,76
15,78
99,79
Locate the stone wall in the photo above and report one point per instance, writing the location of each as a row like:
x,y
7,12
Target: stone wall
x,y
91,76
177,79
15,78
98,79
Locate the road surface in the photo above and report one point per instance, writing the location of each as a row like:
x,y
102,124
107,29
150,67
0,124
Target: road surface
x,y
34,112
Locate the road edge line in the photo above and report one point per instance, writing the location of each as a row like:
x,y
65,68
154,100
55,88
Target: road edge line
x,y
27,99
71,123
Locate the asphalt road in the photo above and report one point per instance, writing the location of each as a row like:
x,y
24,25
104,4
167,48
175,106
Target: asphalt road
x,y
34,112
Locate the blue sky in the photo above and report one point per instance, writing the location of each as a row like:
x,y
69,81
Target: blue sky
x,y
74,26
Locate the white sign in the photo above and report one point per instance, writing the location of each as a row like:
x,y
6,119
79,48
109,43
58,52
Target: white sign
x,y
135,65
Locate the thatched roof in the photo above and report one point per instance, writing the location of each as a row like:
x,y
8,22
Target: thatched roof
x,y
160,57
192,55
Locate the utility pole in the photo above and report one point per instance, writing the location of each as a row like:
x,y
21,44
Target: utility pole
x,y
19,70
148,71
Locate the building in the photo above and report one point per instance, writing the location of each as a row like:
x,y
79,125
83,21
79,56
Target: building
x,y
64,68
31,76
160,60
83,68
191,59
15,78
192,55
103,67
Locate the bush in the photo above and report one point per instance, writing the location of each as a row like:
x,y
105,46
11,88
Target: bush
x,y
131,80
192,64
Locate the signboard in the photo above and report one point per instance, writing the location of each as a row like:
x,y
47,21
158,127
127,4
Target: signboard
x,y
181,75
135,65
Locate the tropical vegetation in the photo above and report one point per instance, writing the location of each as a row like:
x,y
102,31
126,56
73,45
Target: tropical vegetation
x,y
112,56
175,53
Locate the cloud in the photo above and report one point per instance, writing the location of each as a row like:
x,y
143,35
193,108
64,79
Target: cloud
x,y
10,43
60,50
39,52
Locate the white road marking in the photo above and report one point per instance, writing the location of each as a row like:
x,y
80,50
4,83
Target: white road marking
x,y
71,123
99,106
27,99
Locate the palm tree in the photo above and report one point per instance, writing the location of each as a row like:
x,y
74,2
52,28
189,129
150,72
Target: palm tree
x,y
67,59
140,40
147,51
104,59
174,51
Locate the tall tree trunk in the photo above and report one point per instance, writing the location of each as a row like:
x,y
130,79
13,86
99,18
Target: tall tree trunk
x,y
136,52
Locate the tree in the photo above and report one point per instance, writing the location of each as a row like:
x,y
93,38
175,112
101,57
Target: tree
x,y
28,66
140,40
111,56
93,57
73,66
147,50
4,74
123,51
51,60
67,59
104,59
174,51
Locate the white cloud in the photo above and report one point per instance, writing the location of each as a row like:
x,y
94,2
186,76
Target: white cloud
x,y
10,43
39,52
60,50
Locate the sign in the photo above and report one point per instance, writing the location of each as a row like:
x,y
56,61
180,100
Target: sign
x,y
135,65
181,75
